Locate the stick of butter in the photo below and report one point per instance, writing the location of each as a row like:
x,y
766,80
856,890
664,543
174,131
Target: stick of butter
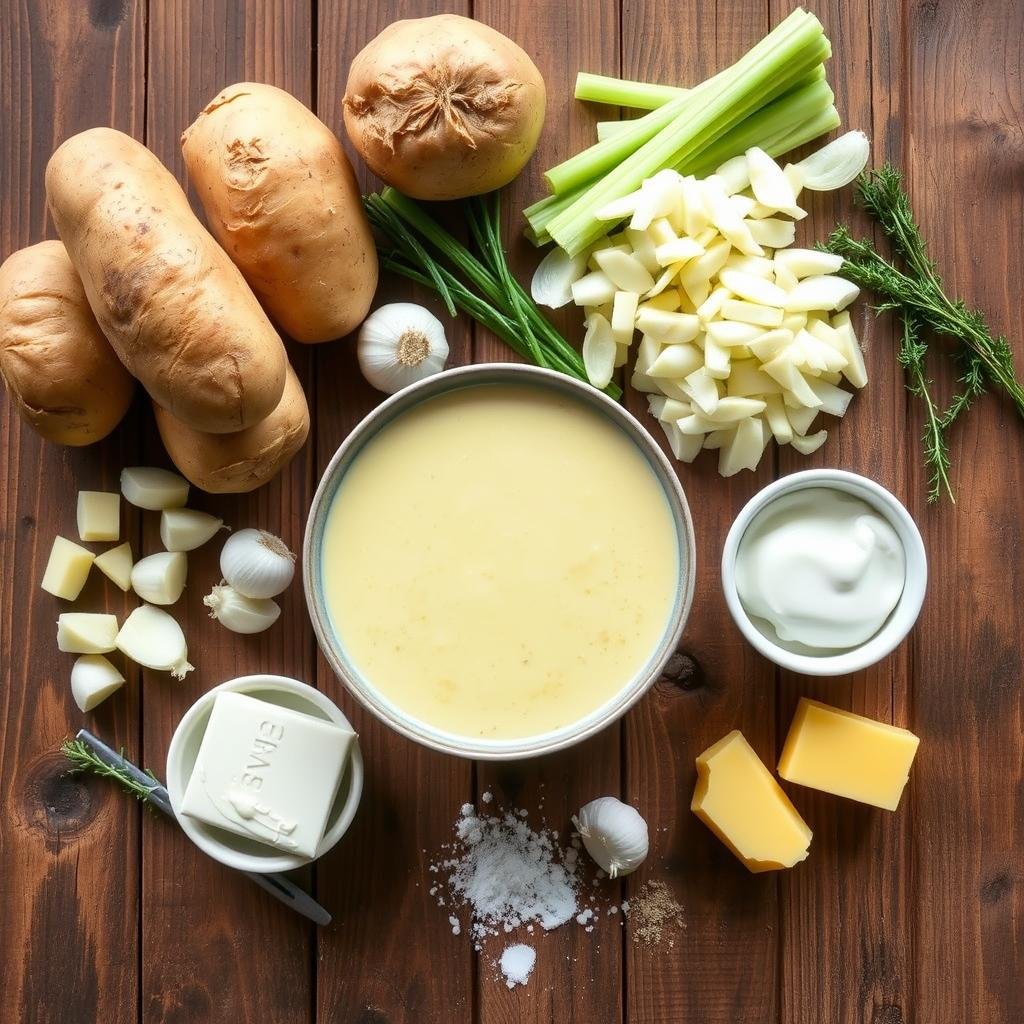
x,y
267,773
846,754
740,801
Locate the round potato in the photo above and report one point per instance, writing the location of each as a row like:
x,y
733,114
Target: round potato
x,y
173,306
235,463
281,198
61,373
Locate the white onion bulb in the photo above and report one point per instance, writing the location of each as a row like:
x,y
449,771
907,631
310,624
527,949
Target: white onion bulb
x,y
256,563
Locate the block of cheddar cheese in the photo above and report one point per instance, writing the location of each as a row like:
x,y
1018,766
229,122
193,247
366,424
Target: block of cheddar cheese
x,y
740,801
846,754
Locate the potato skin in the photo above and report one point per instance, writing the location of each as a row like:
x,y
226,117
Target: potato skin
x,y
281,198
62,375
171,303
236,463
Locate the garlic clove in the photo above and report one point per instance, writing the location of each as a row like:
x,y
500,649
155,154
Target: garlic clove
x,y
154,489
160,578
184,529
93,680
153,639
399,344
614,834
256,563
239,613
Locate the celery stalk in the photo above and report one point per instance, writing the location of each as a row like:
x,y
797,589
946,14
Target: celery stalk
x,y
766,58
781,59
618,92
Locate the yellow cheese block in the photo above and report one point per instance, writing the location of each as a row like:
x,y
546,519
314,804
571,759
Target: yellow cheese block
x,y
740,801
846,754
67,569
99,515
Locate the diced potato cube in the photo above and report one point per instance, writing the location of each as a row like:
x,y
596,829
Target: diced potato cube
x,y
593,289
777,420
808,262
768,345
625,271
752,313
702,389
734,175
807,445
835,401
676,362
669,300
756,266
772,232
86,633
99,515
116,564
685,447
67,569
712,305
731,410
668,327
646,352
719,438
729,333
784,370
677,250
643,248
801,418
624,316
747,381
716,358
855,370
753,289
745,449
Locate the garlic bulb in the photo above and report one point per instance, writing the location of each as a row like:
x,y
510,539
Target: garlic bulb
x,y
238,613
256,563
400,344
614,834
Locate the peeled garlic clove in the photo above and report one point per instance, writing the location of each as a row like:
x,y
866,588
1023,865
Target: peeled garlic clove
x,y
160,578
836,164
184,529
256,563
399,344
238,613
554,277
614,834
93,680
153,639
154,489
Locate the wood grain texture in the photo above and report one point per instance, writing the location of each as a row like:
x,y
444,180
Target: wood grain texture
x,y
900,918
578,974
69,886
390,957
232,952
730,916
964,163
846,931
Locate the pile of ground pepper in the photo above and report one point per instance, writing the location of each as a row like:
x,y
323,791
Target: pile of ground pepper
x,y
653,911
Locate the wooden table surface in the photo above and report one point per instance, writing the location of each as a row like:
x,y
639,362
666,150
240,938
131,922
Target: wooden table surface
x,y
110,914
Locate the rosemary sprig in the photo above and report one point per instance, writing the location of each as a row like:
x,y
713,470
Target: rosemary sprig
x,y
83,759
917,293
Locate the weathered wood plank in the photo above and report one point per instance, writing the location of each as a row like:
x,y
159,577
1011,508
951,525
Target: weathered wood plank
x,y
847,960
963,158
70,880
724,965
230,952
390,956
578,975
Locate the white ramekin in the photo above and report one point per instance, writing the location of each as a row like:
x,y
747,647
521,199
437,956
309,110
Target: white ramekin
x,y
902,617
237,851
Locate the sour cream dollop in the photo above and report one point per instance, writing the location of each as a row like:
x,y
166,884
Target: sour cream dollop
x,y
822,567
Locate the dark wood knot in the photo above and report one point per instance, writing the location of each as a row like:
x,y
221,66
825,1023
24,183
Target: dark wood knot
x,y
683,672
887,1013
996,888
108,14
58,803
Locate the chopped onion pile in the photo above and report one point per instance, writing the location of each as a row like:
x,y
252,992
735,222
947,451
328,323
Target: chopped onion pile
x,y
743,338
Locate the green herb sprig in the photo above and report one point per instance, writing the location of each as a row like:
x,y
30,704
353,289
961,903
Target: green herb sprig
x,y
918,295
480,284
84,759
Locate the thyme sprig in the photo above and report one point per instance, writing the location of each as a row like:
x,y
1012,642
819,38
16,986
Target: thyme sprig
x,y
917,294
84,759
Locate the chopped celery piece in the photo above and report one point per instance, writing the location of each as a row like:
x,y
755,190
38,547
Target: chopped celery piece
x,y
618,92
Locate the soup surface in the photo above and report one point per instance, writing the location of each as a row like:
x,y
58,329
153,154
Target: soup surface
x,y
500,561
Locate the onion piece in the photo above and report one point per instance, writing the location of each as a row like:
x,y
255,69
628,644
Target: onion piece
x,y
554,277
769,183
153,639
809,444
836,164
599,351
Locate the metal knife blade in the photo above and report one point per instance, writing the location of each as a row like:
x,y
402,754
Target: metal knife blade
x,y
279,886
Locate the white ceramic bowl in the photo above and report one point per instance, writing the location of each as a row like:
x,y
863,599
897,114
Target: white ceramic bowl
x,y
364,690
237,851
900,620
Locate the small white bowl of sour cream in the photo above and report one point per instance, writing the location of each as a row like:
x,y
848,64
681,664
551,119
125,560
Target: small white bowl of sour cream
x,y
797,569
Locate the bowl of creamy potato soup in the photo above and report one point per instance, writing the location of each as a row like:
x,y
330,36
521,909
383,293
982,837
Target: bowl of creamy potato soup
x,y
499,561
